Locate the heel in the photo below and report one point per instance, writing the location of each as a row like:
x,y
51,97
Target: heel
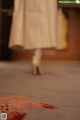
x,y
36,70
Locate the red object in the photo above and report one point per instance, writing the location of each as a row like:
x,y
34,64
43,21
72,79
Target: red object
x,y
16,115
47,106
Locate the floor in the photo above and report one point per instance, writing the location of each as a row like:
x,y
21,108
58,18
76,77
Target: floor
x,y
59,86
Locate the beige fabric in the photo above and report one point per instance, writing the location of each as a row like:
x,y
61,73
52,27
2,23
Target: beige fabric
x,y
34,24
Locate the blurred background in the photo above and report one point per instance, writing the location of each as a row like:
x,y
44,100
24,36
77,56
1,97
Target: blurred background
x,y
70,27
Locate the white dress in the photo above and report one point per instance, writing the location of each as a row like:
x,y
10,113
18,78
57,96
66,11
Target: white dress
x,y
34,24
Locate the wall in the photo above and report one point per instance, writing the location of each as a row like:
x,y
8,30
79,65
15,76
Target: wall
x,y
5,24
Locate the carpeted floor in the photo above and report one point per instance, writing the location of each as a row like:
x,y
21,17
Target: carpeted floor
x,y
58,86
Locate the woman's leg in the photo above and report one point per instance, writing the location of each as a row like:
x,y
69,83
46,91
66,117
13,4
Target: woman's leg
x,y
36,61
37,57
